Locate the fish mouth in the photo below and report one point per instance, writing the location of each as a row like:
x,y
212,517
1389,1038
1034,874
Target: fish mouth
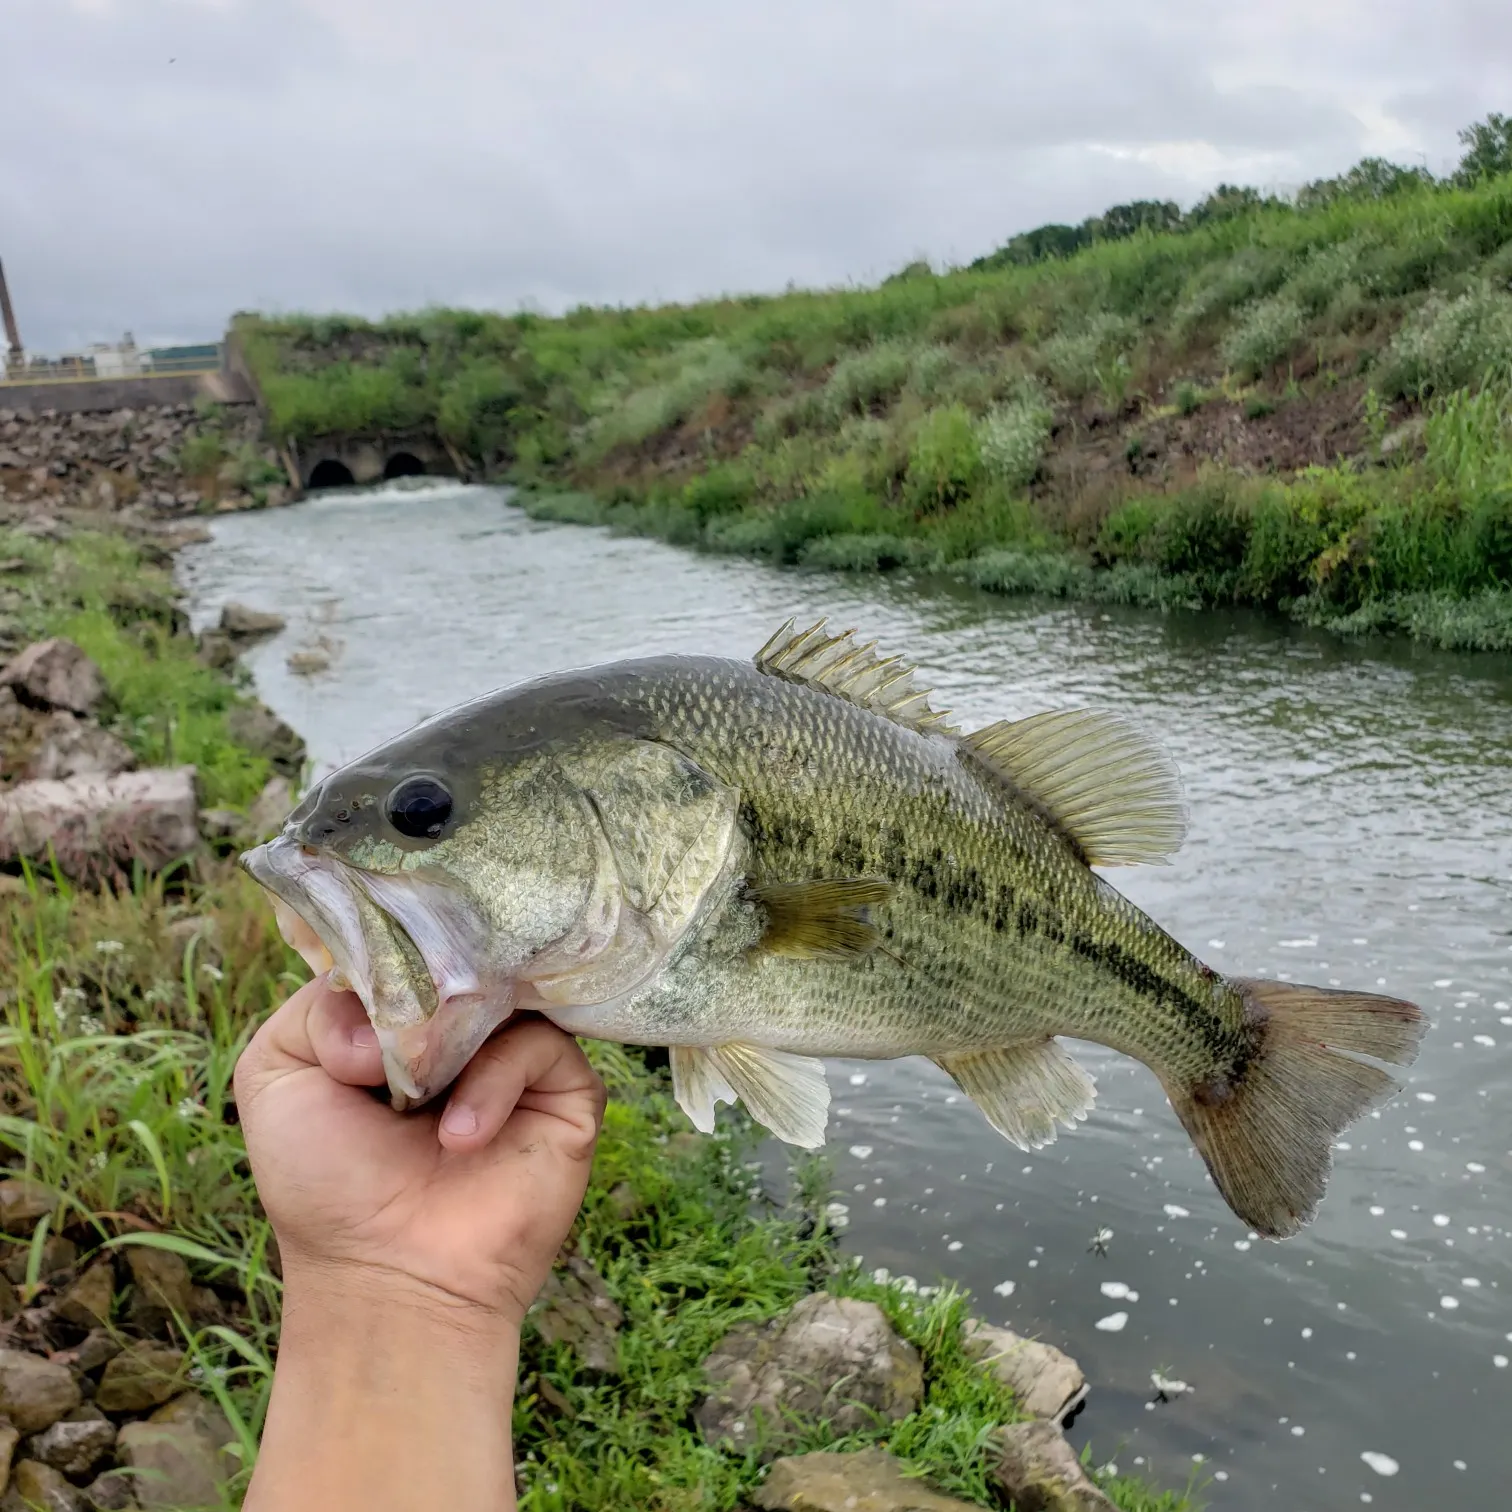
x,y
410,948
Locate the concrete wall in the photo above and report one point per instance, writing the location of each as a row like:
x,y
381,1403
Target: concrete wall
x,y
142,392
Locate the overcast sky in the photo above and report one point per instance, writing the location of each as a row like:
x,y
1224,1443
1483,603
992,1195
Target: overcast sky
x,y
166,162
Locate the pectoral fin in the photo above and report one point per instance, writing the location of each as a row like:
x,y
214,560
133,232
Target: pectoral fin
x,y
820,920
787,1094
1024,1089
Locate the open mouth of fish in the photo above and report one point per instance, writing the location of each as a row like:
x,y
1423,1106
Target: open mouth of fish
x,y
409,948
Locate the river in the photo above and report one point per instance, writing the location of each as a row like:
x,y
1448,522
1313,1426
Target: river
x,y
1351,823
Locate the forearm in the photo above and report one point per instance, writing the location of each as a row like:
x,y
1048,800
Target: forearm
x,y
386,1400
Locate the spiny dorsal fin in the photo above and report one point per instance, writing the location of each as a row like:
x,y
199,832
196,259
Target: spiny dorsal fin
x,y
1108,788
820,921
836,664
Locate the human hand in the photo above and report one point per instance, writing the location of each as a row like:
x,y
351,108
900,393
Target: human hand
x,y
464,1205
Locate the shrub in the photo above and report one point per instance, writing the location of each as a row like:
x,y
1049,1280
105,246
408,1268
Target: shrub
x,y
867,378
930,372
1269,331
1188,398
1449,344
944,461
1250,274
1073,360
1012,441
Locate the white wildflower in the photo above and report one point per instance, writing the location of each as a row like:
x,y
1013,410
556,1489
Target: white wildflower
x,y
188,1108
109,947
213,972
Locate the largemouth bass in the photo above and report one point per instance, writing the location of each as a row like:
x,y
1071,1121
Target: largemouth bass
x,y
761,864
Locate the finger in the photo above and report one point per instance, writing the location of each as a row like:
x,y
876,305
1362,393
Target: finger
x,y
532,1065
344,1040
287,1041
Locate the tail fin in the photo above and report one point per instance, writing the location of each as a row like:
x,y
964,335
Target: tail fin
x,y
1267,1136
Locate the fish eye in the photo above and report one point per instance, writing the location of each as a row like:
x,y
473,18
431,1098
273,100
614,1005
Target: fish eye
x,y
419,808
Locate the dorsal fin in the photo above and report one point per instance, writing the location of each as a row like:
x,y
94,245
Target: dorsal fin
x,y
837,665
1108,788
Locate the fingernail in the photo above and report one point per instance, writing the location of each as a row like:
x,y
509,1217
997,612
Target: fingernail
x,y
365,1037
460,1121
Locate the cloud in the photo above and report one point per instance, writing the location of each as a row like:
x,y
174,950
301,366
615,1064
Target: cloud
x,y
371,155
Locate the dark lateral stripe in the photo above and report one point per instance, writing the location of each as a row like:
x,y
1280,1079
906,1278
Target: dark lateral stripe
x,y
1134,973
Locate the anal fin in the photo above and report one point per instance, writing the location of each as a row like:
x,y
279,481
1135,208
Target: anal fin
x,y
1024,1089
787,1094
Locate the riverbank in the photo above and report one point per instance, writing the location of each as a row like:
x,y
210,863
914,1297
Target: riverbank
x,y
131,1231
1302,407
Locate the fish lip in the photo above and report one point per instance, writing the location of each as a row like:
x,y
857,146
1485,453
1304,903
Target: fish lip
x,y
421,1054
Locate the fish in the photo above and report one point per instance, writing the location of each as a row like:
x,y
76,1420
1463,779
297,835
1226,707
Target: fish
x,y
761,864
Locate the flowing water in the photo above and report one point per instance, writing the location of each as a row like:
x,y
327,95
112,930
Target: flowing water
x,y
1351,823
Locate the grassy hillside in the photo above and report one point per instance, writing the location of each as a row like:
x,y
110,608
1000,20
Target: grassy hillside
x,y
1298,405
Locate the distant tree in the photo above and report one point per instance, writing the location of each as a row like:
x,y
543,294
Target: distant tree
x,y
1128,220
1229,200
1488,150
1035,246
918,268
1372,178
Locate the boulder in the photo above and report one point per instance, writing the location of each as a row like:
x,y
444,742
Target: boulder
x,y
23,1202
75,1448
36,1487
86,1304
35,1393
97,1348
1038,1471
74,747
1047,1383
110,1492
829,1358
9,1438
870,1480
55,674
575,1308
261,731
57,1254
179,1454
242,623
101,824
162,1288
269,809
141,1376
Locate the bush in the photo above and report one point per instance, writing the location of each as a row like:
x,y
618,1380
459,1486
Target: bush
x,y
1449,344
865,379
944,461
1012,441
931,371
1269,331
1073,360
1188,398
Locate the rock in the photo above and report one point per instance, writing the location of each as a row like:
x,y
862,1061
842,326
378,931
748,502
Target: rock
x,y
216,650
1046,1383
98,1348
111,1492
75,1448
206,1307
242,623
57,1254
575,1308
1038,1471
220,823
180,1452
86,1304
870,1480
55,674
22,1202
73,747
623,1202
10,1302
38,1486
307,663
162,1289
270,808
35,1393
9,1438
99,824
834,1359
257,727
141,1376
